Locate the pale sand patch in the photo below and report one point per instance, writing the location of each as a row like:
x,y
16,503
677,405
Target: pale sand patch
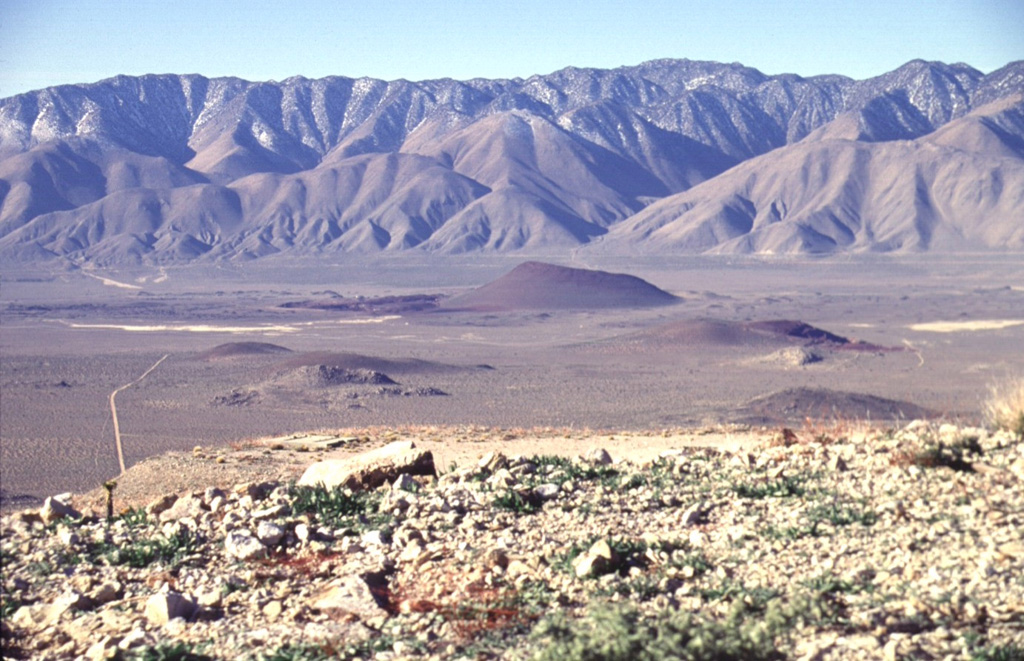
x,y
196,328
112,283
209,328
368,320
966,326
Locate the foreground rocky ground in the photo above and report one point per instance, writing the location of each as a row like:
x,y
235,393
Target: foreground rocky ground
x,y
891,544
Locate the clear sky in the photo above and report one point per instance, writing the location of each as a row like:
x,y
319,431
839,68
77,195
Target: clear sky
x,y
50,42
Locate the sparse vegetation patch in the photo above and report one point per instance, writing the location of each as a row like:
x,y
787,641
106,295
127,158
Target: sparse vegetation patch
x,y
822,548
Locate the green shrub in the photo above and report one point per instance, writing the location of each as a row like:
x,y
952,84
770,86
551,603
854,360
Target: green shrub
x,y
516,503
168,652
841,515
338,508
143,552
828,583
575,471
1008,652
783,487
623,633
8,605
292,652
133,518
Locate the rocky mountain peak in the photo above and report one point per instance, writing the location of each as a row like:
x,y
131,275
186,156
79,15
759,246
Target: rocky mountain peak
x,y
78,160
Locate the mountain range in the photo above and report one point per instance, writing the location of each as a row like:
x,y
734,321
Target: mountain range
x,y
667,157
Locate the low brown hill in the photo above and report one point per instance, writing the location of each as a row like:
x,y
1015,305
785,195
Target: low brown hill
x,y
800,404
711,333
541,286
241,349
359,362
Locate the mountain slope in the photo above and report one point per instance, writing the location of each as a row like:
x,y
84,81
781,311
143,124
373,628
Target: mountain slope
x,y
959,188
170,168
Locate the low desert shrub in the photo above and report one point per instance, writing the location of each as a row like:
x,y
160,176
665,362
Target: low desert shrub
x,y
1005,407
338,508
141,553
838,515
828,583
8,605
1008,652
624,633
782,487
516,503
302,652
168,652
132,517
566,469
753,598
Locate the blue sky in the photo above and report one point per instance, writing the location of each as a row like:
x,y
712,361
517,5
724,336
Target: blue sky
x,y
50,42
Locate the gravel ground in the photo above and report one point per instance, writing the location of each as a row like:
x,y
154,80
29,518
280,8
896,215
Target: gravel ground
x,y
905,543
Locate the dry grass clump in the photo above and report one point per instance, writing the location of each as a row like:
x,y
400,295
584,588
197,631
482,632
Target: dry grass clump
x,y
1005,407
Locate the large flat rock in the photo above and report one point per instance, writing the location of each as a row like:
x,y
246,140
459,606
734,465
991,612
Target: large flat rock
x,y
371,469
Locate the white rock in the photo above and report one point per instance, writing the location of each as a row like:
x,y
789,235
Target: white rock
x,y
405,482
161,505
104,648
269,533
39,616
492,461
186,507
694,515
136,638
598,560
837,464
163,607
54,509
351,595
373,538
502,479
271,512
371,469
211,493
588,564
69,538
546,491
105,592
243,545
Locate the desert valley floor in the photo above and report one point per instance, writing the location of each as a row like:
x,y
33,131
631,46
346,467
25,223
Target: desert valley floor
x,y
269,348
